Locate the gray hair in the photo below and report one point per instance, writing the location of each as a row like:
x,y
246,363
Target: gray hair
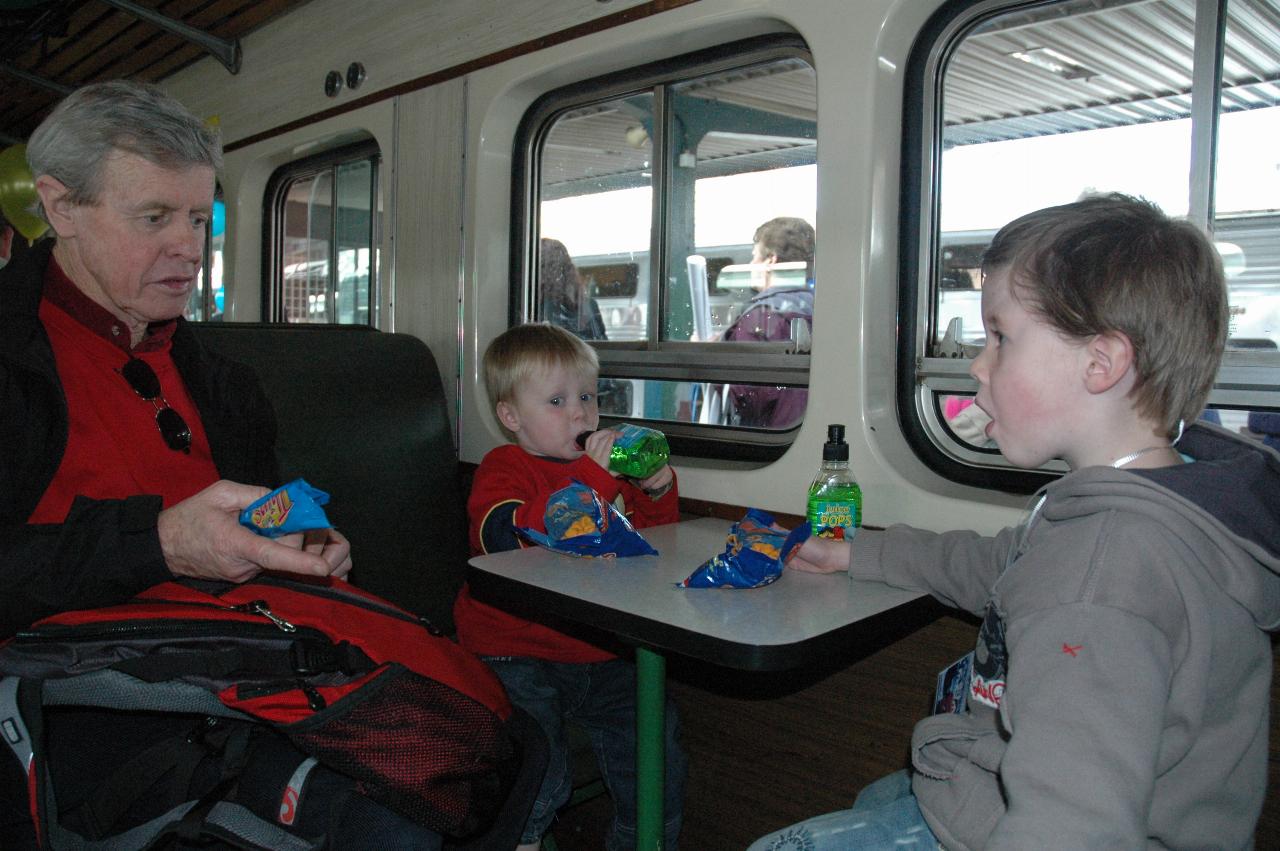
x,y
119,115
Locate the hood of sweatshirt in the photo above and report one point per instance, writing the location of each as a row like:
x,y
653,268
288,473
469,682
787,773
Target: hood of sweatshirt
x,y
1225,505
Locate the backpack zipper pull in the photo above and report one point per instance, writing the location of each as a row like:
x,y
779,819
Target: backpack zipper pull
x,y
259,607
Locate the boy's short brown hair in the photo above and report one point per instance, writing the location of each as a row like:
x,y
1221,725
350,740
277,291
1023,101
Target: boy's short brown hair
x,y
519,352
1117,263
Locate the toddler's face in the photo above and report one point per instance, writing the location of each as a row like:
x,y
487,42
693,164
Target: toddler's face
x,y
1030,379
550,410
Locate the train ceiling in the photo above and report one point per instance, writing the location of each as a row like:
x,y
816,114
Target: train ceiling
x,y
1057,68
1088,64
49,47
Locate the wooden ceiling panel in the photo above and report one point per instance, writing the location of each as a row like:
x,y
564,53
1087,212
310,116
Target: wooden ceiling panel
x,y
68,43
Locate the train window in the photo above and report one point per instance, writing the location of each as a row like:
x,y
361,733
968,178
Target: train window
x,y
1012,108
324,216
206,302
665,214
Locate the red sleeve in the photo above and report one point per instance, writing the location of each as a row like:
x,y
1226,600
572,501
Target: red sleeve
x,y
643,510
511,488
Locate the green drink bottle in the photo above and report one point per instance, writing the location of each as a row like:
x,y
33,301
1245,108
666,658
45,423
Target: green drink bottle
x,y
835,500
638,452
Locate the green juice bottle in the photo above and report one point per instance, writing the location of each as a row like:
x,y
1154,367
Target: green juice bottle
x,y
835,500
638,452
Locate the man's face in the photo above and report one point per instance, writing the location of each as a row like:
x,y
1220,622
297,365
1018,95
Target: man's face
x,y
550,410
137,250
761,277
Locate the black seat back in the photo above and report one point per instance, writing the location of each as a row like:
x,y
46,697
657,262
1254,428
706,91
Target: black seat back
x,y
362,415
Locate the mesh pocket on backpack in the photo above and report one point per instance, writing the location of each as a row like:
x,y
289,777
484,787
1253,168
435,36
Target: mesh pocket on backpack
x,y
419,747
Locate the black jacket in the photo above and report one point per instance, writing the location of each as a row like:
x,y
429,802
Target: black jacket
x,y
106,550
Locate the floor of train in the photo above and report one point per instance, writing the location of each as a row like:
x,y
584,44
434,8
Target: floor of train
x,y
759,763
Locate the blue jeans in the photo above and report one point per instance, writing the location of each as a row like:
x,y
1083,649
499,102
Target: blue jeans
x,y
601,698
884,817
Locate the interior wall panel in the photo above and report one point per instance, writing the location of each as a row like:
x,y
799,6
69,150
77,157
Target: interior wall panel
x,y
285,62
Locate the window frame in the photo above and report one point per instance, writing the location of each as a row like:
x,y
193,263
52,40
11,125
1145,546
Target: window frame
x,y
273,223
654,357
1245,379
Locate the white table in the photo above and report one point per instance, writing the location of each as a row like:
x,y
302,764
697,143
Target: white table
x,y
795,620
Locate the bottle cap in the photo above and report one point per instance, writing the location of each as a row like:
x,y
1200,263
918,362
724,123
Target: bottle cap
x,y
835,449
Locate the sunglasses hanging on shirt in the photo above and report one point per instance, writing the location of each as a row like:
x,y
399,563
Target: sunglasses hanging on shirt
x,y
173,428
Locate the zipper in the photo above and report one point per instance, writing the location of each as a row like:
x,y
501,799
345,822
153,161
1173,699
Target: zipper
x,y
55,632
259,607
359,602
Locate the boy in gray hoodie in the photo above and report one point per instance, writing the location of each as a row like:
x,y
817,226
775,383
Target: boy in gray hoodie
x,y
1119,690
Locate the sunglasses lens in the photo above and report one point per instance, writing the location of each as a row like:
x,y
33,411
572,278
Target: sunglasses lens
x,y
174,430
141,378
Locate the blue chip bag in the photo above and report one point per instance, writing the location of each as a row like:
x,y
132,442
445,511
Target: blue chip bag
x,y
580,523
294,507
754,553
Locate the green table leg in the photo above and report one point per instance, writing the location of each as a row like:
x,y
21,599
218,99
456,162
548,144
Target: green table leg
x,y
651,671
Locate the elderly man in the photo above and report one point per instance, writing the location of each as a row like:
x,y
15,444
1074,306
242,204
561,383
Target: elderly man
x,y
126,450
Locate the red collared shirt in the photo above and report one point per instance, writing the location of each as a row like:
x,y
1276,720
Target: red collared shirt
x,y
114,447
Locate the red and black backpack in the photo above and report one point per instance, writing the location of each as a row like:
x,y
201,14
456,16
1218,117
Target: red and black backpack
x,y
250,713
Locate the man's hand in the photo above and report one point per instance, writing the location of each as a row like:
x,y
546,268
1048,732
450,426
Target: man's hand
x,y
820,555
332,546
202,537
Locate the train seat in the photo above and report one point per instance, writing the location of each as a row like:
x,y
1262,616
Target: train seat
x,y
362,414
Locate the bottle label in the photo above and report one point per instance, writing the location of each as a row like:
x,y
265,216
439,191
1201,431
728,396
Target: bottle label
x,y
833,518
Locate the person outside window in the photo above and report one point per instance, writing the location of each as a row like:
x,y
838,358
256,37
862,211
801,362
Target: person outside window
x,y
769,316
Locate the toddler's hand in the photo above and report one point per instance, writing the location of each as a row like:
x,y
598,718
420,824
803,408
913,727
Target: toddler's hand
x,y
659,483
598,446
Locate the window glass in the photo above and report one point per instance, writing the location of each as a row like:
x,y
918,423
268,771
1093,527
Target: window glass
x,y
1035,105
1247,180
740,164
326,232
354,235
595,218
1033,142
308,229
207,299
689,162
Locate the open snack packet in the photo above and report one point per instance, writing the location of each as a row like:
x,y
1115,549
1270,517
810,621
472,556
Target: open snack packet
x,y
580,523
294,507
754,553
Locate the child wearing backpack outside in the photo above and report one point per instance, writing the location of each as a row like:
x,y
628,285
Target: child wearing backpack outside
x,y
1118,694
541,380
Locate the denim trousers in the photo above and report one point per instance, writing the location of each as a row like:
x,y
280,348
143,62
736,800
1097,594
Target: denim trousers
x,y
600,697
884,817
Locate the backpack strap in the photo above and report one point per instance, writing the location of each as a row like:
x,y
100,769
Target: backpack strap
x,y
12,728
175,759
231,823
302,657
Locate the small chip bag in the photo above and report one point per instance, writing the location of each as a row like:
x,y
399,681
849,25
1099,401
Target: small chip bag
x,y
754,553
580,523
294,507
